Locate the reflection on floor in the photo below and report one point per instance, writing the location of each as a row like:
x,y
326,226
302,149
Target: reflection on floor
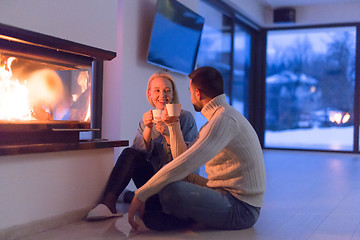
x,y
309,196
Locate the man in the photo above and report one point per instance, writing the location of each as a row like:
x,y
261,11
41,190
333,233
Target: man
x,y
227,144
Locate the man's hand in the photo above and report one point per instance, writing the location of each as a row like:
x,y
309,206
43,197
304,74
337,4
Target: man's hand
x,y
167,119
135,206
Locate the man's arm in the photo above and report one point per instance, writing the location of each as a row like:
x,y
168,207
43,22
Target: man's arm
x,y
177,143
212,139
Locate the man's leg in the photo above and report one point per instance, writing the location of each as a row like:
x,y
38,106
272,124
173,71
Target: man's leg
x,y
215,209
156,219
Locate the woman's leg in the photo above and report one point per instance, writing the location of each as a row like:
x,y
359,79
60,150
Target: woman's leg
x,y
128,164
186,201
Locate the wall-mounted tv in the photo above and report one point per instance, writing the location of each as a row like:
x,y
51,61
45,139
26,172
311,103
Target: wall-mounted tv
x,y
175,37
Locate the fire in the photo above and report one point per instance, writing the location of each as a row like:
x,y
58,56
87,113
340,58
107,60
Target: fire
x,y
14,96
88,113
41,94
84,85
83,81
29,99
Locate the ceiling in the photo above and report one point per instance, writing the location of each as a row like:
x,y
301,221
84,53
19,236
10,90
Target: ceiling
x,y
294,3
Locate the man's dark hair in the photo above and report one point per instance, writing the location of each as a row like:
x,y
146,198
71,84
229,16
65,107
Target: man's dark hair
x,y
208,80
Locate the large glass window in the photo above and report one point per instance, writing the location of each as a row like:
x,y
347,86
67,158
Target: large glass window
x,y
240,83
215,47
225,45
310,82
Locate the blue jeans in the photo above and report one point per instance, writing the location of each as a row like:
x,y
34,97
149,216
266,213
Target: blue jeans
x,y
185,203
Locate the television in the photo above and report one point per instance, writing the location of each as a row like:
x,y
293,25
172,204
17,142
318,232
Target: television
x,y
175,37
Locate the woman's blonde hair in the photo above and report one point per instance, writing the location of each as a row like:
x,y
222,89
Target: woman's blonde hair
x,y
165,75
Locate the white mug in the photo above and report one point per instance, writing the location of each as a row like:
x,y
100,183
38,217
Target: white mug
x,y
173,109
157,114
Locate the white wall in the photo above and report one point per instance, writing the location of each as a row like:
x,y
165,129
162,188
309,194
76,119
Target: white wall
x,y
347,12
39,186
251,9
90,22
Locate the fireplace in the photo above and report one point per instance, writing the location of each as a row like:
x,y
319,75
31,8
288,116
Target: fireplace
x,y
50,88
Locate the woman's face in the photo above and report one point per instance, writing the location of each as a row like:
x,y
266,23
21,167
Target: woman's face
x,y
161,92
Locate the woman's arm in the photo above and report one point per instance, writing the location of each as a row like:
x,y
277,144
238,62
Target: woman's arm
x,y
147,136
148,121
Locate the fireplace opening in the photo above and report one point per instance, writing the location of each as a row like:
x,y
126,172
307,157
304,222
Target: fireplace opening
x,y
34,91
50,88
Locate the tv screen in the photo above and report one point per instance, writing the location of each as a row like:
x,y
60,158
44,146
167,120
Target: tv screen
x,y
175,37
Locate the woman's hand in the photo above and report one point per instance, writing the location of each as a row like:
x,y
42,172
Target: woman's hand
x,y
148,119
162,128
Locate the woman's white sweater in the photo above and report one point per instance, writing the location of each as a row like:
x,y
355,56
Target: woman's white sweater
x,y
228,146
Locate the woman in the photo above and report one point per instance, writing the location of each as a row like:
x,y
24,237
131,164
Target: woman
x,y
150,150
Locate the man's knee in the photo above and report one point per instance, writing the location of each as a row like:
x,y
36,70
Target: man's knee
x,y
172,194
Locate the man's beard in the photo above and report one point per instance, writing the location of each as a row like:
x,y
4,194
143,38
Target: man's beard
x,y
197,108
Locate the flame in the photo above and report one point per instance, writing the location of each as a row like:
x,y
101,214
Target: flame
x,y
30,99
14,96
84,82
45,88
42,95
88,114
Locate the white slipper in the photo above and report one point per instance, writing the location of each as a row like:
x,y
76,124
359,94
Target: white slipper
x,y
101,212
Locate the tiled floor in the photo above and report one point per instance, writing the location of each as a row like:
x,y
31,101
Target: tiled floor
x,y
309,196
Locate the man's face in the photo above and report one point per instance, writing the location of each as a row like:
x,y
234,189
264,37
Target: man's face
x,y
194,98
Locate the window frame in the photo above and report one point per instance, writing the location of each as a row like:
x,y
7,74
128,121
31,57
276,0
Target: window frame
x,y
356,88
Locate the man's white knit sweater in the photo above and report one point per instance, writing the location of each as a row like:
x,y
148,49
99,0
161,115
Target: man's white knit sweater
x,y
227,145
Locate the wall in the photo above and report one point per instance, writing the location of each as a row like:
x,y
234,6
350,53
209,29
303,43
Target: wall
x,y
251,9
90,22
127,75
41,186
347,12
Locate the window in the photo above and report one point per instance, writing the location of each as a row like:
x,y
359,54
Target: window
x,y
240,83
310,87
215,47
225,45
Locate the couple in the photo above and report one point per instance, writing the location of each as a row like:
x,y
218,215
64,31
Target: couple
x,y
232,195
